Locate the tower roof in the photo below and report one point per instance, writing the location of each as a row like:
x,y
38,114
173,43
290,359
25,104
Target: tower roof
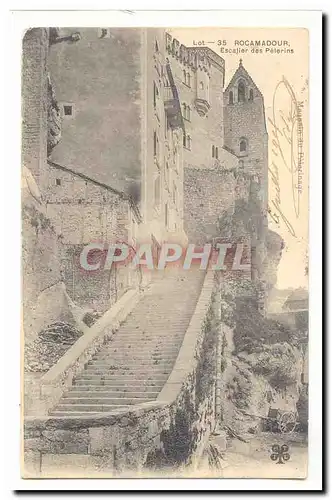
x,y
242,72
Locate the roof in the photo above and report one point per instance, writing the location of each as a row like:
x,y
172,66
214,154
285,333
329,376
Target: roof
x,y
242,72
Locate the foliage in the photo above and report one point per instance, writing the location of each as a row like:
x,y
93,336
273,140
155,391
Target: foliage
x,y
239,389
206,367
277,363
179,441
246,217
253,330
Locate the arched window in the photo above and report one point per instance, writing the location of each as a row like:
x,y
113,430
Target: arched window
x,y
201,85
217,153
241,97
243,145
188,113
184,77
212,151
184,110
188,142
231,97
251,95
188,79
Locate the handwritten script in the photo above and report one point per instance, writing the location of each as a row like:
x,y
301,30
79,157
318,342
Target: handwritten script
x,y
287,150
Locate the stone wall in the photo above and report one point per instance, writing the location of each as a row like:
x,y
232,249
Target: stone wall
x,y
203,125
35,101
85,211
209,194
44,299
100,77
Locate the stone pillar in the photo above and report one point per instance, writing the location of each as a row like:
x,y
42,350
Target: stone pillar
x,y
34,102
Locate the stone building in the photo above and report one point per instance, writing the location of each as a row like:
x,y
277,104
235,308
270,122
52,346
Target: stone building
x,y
225,150
132,136
121,121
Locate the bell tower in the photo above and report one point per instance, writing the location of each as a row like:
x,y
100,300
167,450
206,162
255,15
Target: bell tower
x,y
245,133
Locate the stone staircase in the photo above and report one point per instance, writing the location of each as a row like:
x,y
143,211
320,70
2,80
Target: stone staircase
x,y
135,364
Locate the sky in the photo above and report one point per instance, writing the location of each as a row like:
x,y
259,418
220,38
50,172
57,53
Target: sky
x,y
283,80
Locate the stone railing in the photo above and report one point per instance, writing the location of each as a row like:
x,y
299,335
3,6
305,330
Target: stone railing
x,y
171,430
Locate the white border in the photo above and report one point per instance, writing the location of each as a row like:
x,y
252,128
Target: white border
x,y
15,25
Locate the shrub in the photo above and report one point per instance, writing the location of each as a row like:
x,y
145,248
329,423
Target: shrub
x,y
278,364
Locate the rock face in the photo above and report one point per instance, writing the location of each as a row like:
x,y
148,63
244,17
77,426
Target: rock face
x,y
44,296
53,119
261,364
274,247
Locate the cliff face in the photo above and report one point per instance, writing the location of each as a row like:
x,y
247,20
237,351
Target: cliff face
x,y
44,297
261,363
274,246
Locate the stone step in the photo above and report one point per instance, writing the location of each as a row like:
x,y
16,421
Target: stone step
x,y
125,368
137,325
119,381
139,336
116,368
111,393
138,351
102,355
150,375
121,373
91,408
133,385
104,401
151,328
104,374
148,344
68,413
129,362
156,353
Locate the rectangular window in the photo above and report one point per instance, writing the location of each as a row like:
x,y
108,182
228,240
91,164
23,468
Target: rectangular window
x,y
58,182
68,110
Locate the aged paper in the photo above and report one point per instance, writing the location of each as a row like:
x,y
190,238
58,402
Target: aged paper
x,y
165,252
